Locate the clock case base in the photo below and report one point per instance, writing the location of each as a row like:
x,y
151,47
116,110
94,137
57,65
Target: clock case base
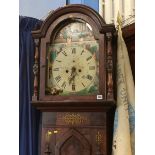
x,y
85,132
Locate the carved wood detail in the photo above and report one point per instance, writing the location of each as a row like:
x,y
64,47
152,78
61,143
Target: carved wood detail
x,y
36,69
73,139
109,67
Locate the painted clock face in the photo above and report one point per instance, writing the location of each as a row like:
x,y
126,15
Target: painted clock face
x,y
73,65
74,69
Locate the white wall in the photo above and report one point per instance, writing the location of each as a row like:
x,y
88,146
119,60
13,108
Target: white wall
x,y
125,8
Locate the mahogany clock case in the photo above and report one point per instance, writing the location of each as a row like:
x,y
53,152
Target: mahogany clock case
x,y
84,123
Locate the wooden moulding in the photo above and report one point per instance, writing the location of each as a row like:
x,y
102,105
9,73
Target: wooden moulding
x,y
76,106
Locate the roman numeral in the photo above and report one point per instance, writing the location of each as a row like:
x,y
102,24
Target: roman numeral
x,y
58,60
74,51
89,58
56,69
63,85
91,67
82,52
64,53
89,77
73,87
58,78
83,85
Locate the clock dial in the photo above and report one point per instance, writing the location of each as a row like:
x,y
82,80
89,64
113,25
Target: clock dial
x,y
73,61
76,71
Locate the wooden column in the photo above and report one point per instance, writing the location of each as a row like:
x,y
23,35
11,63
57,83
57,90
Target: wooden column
x,y
35,70
109,67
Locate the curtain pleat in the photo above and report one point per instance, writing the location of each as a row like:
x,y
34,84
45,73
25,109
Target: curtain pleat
x,y
29,117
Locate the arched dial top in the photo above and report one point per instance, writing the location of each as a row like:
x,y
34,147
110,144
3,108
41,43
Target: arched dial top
x,y
73,65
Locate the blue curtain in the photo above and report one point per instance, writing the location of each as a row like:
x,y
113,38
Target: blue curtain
x,y
29,117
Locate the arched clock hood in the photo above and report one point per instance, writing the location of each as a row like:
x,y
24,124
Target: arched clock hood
x,y
102,32
69,10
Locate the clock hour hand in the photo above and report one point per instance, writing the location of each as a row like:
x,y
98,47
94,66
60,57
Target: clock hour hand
x,y
71,79
73,74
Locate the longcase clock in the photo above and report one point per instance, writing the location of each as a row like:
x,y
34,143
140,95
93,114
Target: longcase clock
x,y
74,82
